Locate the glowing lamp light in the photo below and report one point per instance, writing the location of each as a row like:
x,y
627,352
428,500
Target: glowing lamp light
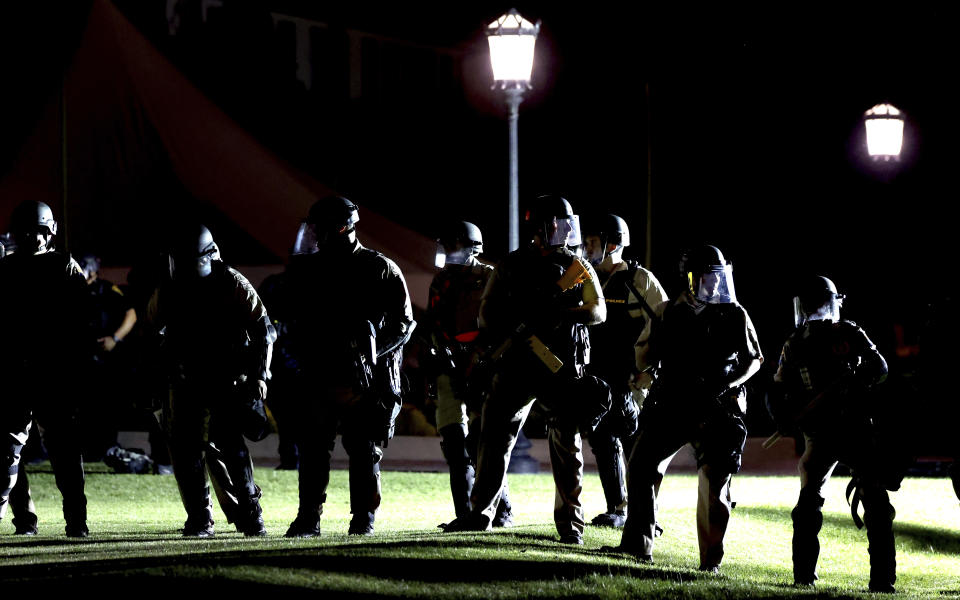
x,y
511,39
884,124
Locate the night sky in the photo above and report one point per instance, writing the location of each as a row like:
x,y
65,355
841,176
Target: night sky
x,y
757,139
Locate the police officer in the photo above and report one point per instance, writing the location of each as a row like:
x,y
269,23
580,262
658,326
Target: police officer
x,y
536,309
40,315
827,368
630,292
452,317
350,315
110,319
703,348
217,340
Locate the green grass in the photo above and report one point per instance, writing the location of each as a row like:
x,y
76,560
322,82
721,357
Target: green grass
x,y
135,547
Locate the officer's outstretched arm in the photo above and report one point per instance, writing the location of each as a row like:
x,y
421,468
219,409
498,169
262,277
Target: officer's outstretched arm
x,y
593,309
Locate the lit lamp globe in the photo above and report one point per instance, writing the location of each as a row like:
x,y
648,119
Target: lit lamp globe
x,y
884,123
511,39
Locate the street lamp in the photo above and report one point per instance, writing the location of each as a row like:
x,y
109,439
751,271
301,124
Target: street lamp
x,y
511,39
884,123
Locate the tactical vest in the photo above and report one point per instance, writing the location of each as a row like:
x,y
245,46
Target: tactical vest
x,y
612,341
705,345
206,328
823,352
530,280
455,300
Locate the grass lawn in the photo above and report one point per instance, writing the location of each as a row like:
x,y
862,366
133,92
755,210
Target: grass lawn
x,y
135,547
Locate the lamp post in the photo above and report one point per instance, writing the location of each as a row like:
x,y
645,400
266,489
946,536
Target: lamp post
x,y
512,39
884,124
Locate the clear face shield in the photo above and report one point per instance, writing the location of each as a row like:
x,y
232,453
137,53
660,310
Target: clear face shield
x,y
593,249
306,241
563,231
194,267
829,310
457,255
714,287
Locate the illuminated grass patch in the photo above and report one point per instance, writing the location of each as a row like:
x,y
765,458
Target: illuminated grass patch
x,y
135,544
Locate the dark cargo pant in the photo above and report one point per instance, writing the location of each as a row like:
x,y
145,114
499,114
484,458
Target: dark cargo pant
x,y
320,418
816,466
504,413
203,435
663,434
62,439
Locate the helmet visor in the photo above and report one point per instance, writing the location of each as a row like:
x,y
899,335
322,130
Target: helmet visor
x,y
715,286
306,242
829,309
458,255
563,231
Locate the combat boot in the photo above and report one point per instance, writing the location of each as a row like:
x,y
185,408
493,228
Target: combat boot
x,y
878,517
504,515
361,524
25,524
573,538
807,522
249,521
306,525
75,514
609,519
200,527
199,523
76,530
472,522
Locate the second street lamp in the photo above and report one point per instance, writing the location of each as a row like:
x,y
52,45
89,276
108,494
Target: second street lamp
x,y
512,39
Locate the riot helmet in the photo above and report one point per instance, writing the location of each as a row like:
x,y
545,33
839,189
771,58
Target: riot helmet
x,y
817,300
33,226
458,244
332,218
708,276
91,267
552,219
193,252
601,231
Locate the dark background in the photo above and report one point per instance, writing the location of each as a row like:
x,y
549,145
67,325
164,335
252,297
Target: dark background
x,y
756,129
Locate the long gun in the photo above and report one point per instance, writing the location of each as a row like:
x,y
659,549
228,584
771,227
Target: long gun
x,y
574,275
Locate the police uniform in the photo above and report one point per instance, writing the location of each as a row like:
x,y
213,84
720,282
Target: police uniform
x,y
452,316
217,341
346,302
827,368
523,293
630,293
107,306
41,317
696,347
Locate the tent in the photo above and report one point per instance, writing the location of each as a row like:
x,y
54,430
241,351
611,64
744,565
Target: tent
x,y
130,145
